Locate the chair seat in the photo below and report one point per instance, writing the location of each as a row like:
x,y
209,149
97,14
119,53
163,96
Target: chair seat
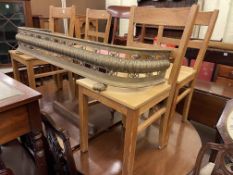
x,y
132,98
21,57
185,73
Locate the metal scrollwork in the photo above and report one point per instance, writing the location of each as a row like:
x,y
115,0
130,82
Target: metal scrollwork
x,y
103,63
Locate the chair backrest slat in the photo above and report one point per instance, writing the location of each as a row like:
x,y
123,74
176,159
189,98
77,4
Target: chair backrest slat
x,y
96,15
68,13
208,19
172,18
161,16
164,17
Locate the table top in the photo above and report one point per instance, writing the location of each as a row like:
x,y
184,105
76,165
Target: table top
x,y
14,93
178,158
131,98
215,88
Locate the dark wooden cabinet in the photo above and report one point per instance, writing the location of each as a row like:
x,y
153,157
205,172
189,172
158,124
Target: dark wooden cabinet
x,y
13,13
224,74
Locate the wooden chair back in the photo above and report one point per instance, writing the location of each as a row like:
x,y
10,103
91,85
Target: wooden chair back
x,y
60,154
98,15
56,13
203,19
223,162
164,17
207,19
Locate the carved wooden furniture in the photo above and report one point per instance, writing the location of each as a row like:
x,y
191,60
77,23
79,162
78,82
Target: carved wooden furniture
x,y
118,12
32,62
13,13
223,164
132,103
3,169
19,115
60,156
98,15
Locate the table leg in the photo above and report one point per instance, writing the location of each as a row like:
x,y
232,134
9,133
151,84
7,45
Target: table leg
x,y
83,113
38,149
131,126
36,137
15,69
31,76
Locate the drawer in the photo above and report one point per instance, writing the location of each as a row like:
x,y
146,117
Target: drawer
x,y
13,123
211,108
225,71
225,81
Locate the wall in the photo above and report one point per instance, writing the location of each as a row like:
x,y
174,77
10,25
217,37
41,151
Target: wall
x,y
41,7
222,22
228,35
81,5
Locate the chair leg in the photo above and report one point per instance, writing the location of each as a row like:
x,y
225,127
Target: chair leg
x,y
15,69
171,109
187,104
163,131
31,76
58,80
72,84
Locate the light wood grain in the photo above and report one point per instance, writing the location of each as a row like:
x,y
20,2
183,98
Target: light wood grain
x,y
97,15
133,102
189,78
126,96
30,62
68,13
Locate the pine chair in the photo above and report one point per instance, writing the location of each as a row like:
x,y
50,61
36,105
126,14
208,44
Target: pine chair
x,y
56,13
187,76
31,63
172,17
97,15
132,103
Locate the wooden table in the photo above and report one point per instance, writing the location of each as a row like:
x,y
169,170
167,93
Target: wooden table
x,y
178,158
20,115
131,103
